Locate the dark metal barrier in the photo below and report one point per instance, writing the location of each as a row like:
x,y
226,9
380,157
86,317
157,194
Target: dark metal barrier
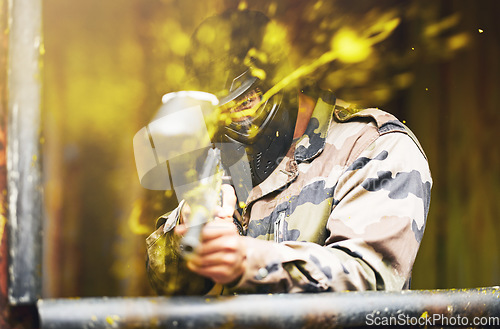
x,y
463,308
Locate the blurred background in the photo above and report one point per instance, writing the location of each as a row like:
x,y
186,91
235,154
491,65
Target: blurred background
x,y
106,65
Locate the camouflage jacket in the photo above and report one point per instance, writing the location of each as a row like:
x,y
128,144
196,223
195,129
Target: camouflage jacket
x,y
344,210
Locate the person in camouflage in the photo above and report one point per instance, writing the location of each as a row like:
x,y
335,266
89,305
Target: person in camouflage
x,y
345,209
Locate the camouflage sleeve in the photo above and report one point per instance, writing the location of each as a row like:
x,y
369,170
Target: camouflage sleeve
x,y
378,216
167,270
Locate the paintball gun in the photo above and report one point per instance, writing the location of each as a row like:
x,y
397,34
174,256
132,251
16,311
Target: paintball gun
x,y
202,200
175,151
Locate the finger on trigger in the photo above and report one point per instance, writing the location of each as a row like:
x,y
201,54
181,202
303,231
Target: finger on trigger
x,y
180,229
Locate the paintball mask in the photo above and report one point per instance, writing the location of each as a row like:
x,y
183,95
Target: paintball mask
x,y
239,56
234,60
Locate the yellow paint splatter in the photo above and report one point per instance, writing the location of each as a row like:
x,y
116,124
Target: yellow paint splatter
x,y
346,45
242,5
374,34
133,221
480,30
442,26
259,73
350,47
179,43
110,320
206,34
273,6
253,130
458,41
175,72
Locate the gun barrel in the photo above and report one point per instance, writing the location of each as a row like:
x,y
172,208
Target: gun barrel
x,y
191,240
203,201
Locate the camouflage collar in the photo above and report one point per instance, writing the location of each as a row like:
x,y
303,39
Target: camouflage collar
x,y
307,147
312,142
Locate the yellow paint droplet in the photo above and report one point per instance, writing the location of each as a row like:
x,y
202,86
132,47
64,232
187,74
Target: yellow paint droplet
x,y
272,8
404,121
242,204
350,47
458,41
42,49
480,30
175,72
277,134
253,130
426,89
110,320
412,48
34,157
179,43
206,34
425,315
259,73
242,5
134,223
318,5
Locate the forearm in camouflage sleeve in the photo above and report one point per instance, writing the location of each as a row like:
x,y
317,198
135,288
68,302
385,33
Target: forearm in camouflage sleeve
x,y
376,225
167,270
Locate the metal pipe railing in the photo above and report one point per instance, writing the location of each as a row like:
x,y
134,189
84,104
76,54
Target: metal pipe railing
x,y
24,181
432,308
